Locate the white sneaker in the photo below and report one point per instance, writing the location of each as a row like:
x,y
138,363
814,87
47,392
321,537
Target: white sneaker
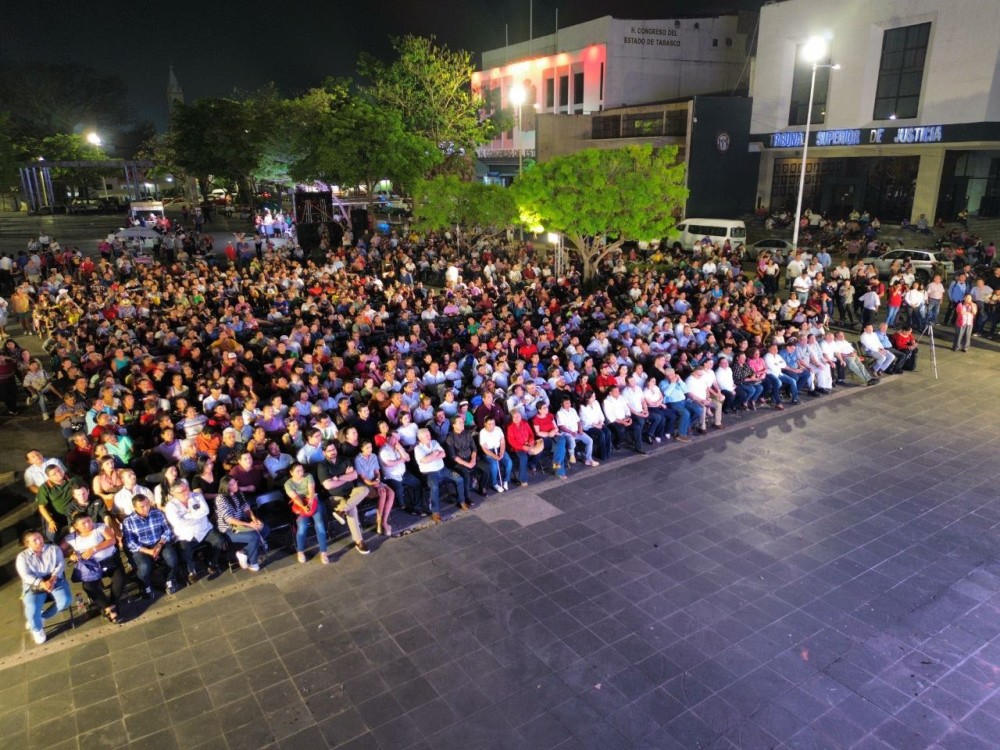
x,y
241,558
498,488
171,588
45,417
39,636
253,568
506,486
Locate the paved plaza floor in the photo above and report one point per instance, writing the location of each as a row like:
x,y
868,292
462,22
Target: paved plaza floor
x,y
825,577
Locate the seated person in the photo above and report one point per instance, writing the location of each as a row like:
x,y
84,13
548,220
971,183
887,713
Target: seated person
x,y
187,513
148,537
237,521
94,547
42,569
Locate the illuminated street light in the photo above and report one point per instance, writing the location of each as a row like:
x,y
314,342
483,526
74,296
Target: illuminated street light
x,y
813,51
93,139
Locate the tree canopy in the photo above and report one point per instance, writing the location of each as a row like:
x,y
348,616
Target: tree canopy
x,y
429,85
599,198
66,147
447,201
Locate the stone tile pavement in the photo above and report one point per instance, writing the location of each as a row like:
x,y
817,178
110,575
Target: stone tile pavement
x,y
822,578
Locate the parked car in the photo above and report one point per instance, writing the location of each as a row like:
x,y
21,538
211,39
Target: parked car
x,y
81,206
778,247
925,263
59,208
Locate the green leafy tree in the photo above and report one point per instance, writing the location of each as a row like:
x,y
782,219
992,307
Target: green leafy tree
x,y
347,139
219,137
70,148
599,198
429,85
447,201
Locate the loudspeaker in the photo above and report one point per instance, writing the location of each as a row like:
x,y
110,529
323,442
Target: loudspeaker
x,y
360,222
309,234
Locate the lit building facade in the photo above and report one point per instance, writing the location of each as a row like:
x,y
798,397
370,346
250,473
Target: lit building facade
x,y
908,125
602,64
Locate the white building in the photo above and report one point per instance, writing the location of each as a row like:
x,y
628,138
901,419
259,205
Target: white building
x,y
908,125
608,63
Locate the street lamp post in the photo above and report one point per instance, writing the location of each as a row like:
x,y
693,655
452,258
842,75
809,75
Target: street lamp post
x,y
517,95
813,51
95,140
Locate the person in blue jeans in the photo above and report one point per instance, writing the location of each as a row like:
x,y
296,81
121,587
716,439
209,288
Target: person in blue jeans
x,y
301,490
42,569
675,398
494,447
235,518
545,428
430,459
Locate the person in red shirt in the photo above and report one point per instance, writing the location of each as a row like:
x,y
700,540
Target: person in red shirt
x,y
523,444
893,303
554,440
904,341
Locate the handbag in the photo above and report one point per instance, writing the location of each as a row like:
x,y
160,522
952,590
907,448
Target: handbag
x,y
313,507
86,570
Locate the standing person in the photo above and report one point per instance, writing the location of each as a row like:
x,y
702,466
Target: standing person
x,y
957,289
845,303
965,318
301,491
42,569
870,302
935,293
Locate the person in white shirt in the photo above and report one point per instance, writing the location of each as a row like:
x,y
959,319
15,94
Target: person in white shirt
x,y
569,424
650,423
872,346
393,458
726,385
277,463
592,422
130,488
619,419
430,460
704,392
187,514
34,475
494,445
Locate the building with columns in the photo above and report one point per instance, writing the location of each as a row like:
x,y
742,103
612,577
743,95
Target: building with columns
x,y
908,125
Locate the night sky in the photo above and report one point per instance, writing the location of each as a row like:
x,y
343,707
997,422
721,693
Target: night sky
x,y
217,46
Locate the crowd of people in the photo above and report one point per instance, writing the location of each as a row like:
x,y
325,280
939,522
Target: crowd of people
x,y
210,400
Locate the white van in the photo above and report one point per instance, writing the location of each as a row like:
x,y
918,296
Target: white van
x,y
693,231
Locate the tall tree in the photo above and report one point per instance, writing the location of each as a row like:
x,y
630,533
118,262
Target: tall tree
x,y
219,137
11,155
599,198
429,85
448,202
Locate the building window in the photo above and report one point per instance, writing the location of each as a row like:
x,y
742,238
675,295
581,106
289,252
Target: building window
x,y
901,72
578,93
677,123
606,126
563,91
642,124
550,93
801,80
601,94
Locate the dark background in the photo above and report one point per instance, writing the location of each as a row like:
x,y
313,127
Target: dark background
x,y
217,46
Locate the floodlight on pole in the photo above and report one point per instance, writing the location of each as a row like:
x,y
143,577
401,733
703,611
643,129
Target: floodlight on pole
x,y
814,50
93,139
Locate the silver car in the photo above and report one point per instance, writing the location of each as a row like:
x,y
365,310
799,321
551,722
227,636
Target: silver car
x,y
778,247
925,263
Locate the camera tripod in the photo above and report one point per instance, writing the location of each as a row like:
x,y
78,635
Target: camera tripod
x,y
929,332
